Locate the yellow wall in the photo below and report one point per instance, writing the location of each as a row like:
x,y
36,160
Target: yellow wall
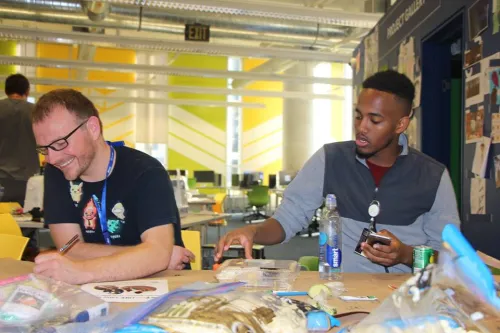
x,y
7,47
117,118
197,135
262,128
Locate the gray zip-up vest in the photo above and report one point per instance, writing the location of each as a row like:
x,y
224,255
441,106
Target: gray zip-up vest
x,y
406,191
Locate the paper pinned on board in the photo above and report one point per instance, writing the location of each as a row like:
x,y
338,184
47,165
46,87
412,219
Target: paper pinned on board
x,y
496,161
478,196
135,291
495,13
473,55
371,53
474,124
495,127
473,93
480,162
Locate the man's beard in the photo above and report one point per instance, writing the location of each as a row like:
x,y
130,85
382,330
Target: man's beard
x,y
369,155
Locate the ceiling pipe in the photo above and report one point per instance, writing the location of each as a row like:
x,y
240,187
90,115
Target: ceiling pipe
x,y
152,19
96,10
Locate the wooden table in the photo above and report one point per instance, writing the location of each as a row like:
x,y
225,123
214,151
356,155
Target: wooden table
x,y
356,284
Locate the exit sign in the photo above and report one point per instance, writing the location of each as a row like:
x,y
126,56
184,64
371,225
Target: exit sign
x,y
197,32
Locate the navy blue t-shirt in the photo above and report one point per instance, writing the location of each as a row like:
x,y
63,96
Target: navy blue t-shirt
x,y
139,197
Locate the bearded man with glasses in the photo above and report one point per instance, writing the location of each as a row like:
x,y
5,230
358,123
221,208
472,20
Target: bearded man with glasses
x,y
119,201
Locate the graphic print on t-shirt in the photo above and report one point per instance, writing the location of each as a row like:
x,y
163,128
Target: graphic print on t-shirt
x,y
76,191
115,228
119,210
90,215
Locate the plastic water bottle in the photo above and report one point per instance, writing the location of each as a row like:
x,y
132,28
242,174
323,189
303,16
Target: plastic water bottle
x,y
330,241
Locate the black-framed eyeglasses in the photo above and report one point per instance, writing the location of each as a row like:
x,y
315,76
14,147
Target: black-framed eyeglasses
x,y
58,144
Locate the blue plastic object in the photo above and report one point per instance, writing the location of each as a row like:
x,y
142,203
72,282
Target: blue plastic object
x,y
471,266
321,321
290,293
139,328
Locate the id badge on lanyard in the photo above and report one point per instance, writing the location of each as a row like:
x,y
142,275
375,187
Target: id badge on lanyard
x,y
101,206
373,211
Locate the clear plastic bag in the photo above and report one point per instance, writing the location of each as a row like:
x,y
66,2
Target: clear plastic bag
x,y
260,274
205,308
32,303
456,295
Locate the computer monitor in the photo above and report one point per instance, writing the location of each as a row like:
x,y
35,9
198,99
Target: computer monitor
x,y
251,179
174,172
204,176
272,181
285,178
218,179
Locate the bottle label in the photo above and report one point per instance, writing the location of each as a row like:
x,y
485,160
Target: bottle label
x,y
322,238
333,256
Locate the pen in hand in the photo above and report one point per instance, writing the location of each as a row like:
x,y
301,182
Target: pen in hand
x,y
69,244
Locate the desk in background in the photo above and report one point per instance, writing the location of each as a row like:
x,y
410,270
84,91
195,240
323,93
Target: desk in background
x,y
200,221
201,204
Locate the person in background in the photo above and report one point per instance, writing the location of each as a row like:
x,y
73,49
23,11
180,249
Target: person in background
x,y
117,200
414,191
18,157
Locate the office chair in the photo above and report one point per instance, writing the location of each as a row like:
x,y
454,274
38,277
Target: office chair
x,y
9,226
309,263
218,208
192,242
12,246
258,198
191,183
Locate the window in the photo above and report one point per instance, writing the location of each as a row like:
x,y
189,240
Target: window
x,y
156,150
347,125
322,108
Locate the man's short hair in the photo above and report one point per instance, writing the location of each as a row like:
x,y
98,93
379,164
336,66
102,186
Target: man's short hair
x,y
17,84
394,83
72,100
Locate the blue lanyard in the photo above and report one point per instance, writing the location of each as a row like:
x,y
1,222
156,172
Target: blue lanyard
x,y
101,207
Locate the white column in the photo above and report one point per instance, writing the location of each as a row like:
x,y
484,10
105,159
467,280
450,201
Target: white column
x,y
298,121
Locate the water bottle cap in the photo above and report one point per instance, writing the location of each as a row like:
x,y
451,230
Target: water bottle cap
x,y
331,199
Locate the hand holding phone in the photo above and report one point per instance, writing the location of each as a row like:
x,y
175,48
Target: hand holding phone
x,y
374,238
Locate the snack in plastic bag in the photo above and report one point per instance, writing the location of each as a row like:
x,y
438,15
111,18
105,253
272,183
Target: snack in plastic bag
x,y
457,295
206,308
31,303
236,311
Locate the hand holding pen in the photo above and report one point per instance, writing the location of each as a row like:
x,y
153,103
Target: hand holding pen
x,y
59,267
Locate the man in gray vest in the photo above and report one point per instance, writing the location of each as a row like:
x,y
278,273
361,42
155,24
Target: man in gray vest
x,y
18,157
414,191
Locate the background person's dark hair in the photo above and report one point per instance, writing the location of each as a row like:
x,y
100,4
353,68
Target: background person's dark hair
x,y
394,83
17,84
72,100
